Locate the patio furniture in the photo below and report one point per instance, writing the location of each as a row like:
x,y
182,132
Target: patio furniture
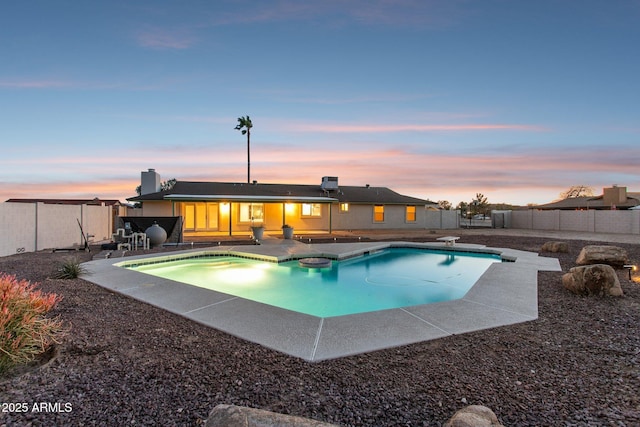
x,y
448,240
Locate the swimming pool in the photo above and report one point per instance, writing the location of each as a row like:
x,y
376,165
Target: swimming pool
x,y
385,279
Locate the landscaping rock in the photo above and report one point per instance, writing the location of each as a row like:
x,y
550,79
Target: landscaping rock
x,y
129,363
596,279
240,416
474,416
555,247
600,254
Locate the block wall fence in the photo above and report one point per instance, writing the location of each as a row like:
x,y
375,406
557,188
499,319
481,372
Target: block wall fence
x,y
592,221
31,227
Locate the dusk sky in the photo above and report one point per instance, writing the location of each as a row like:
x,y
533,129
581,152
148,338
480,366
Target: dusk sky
x,y
517,100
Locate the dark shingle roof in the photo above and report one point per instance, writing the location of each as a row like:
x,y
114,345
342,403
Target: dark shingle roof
x,y
189,190
589,202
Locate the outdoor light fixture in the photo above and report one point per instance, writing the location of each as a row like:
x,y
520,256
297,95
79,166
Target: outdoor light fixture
x,y
631,268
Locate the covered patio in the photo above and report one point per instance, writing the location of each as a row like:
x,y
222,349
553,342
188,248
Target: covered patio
x,y
226,215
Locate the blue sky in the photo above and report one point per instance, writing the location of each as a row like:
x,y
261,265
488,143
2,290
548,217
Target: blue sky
x,y
517,100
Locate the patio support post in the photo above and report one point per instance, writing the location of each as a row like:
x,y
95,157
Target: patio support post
x,y
230,216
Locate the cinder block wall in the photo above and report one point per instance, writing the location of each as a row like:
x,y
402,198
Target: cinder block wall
x,y
30,227
617,221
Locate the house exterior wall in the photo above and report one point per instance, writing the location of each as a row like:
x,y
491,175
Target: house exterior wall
x,y
159,208
30,227
360,216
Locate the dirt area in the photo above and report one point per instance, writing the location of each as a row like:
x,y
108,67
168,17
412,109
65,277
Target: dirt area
x,y
128,363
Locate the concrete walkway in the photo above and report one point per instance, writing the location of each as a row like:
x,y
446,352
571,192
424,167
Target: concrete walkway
x,y
505,294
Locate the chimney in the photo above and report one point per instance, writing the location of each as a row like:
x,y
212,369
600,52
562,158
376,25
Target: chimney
x,y
614,196
150,182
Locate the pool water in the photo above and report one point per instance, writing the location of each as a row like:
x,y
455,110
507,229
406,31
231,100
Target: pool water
x,y
392,278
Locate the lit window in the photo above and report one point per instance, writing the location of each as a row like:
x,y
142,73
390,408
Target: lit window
x,y
344,207
311,209
378,213
251,212
411,214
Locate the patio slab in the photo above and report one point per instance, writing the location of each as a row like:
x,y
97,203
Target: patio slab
x,y
505,294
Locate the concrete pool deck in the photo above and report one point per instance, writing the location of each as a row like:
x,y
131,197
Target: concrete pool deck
x,y
505,294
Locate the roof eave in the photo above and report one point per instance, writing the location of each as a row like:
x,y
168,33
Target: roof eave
x,y
246,198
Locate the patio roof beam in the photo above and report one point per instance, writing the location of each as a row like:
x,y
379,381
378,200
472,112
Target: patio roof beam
x,y
238,198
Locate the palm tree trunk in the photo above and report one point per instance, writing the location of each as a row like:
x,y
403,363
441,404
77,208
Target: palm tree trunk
x,y
248,158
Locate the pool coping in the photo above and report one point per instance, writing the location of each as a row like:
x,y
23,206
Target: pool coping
x,y
505,294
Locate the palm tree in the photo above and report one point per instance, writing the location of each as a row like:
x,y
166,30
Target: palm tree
x,y
245,125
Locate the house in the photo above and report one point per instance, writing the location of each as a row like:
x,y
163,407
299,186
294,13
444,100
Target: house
x,y
214,208
612,198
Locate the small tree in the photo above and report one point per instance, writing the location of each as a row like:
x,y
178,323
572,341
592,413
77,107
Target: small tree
x,y
164,185
479,205
444,205
577,191
463,208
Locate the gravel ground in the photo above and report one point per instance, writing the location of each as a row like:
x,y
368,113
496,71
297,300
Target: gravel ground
x,y
128,363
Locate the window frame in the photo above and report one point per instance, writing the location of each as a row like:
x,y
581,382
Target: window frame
x,y
249,217
407,213
378,216
314,210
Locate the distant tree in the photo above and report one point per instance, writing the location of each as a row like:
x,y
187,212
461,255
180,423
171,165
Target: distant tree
x,y
463,207
479,205
168,185
445,205
164,185
577,191
245,125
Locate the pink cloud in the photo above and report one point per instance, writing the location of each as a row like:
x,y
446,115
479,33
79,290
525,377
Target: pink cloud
x,y
430,13
384,128
163,39
508,177
34,84
417,13
302,99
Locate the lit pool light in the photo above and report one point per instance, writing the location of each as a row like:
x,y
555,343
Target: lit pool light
x,y
392,278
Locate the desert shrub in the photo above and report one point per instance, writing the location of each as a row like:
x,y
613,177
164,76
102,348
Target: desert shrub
x,y
69,268
25,332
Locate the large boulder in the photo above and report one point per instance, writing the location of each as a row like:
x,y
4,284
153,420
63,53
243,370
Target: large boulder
x,y
240,416
555,247
601,254
474,416
596,279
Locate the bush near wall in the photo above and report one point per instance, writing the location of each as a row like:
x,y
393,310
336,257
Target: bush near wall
x,y
25,332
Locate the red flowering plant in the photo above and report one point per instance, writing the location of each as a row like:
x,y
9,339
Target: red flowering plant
x,y
25,331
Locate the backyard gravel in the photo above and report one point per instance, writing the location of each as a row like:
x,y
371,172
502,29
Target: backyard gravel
x,y
124,362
